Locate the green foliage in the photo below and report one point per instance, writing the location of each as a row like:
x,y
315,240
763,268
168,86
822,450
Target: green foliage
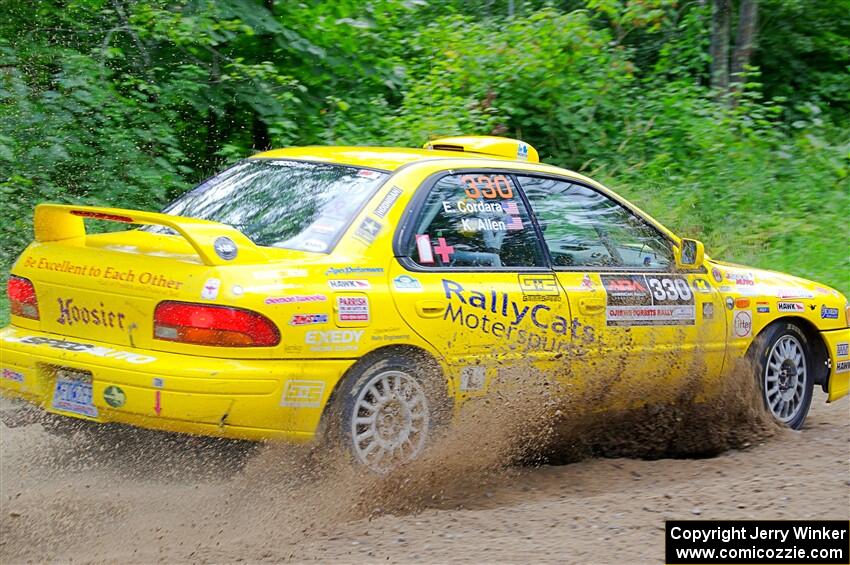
x,y
128,102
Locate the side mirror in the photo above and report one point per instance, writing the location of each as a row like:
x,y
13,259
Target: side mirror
x,y
690,254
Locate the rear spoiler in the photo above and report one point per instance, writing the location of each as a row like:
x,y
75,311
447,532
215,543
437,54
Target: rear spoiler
x,y
57,222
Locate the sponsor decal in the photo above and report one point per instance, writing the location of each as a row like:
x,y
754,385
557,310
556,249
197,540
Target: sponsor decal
x,y
303,394
333,340
15,376
646,300
129,276
741,303
522,152
406,283
353,271
368,230
841,350
444,250
790,307
473,378
225,248
158,382
237,290
325,228
294,299
387,202
352,308
842,366
70,314
587,283
730,303
210,289
423,248
741,279
76,347
308,319
532,327
707,311
791,292
717,274
742,324
701,285
114,396
316,245
539,288
762,307
391,337
828,313
348,284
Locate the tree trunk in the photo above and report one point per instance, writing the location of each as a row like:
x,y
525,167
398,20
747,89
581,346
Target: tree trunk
x,y
744,39
720,12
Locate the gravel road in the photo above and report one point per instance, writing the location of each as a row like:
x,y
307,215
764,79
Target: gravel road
x,y
143,497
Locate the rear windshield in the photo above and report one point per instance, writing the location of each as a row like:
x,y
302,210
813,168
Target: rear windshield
x,y
278,203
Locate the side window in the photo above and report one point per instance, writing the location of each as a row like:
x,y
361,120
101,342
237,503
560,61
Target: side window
x,y
584,228
474,220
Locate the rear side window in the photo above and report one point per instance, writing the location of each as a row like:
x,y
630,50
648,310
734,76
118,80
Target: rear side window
x,y
474,220
279,203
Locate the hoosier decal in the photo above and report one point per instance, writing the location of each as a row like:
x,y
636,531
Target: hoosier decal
x,y
648,300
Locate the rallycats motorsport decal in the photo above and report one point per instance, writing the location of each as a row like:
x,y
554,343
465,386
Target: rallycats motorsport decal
x,y
495,313
648,300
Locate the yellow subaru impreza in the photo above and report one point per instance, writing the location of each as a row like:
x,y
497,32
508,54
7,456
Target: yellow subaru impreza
x,y
360,289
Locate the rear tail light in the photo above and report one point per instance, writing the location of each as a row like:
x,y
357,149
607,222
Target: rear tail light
x,y
202,324
22,298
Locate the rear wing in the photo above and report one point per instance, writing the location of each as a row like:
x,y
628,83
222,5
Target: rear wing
x,y
57,222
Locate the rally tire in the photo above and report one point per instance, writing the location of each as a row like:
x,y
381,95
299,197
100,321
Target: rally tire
x,y
387,410
784,364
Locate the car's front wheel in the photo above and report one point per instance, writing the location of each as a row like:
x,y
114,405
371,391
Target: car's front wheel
x,y
387,410
785,372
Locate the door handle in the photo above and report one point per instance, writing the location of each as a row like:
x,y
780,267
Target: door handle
x,y
430,308
591,305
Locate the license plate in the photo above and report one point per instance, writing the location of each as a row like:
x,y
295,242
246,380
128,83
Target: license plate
x,y
73,392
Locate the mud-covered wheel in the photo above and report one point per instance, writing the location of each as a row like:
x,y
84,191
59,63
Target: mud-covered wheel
x,y
388,409
784,365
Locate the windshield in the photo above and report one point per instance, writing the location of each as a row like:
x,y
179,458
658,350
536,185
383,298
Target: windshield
x,y
291,204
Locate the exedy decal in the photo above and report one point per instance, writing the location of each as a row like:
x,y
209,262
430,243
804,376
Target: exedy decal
x,y
648,300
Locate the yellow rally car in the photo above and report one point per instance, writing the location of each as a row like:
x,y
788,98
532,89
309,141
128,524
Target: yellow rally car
x,y
354,288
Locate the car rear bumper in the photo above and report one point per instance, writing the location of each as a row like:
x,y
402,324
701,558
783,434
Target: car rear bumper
x,y
246,398
838,341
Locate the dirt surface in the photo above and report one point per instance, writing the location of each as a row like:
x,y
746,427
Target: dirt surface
x,y
142,497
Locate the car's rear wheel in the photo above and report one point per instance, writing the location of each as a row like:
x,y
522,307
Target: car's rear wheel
x,y
388,409
784,365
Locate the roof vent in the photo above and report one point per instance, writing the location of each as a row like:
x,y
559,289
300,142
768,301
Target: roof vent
x,y
487,145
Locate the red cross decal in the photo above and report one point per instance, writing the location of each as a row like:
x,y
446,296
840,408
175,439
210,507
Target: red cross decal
x,y
443,250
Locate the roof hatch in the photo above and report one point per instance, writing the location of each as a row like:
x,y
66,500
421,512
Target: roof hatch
x,y
487,145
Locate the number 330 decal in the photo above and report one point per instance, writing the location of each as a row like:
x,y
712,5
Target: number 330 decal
x,y
669,290
496,186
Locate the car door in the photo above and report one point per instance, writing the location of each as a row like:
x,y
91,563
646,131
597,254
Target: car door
x,y
645,326
472,278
